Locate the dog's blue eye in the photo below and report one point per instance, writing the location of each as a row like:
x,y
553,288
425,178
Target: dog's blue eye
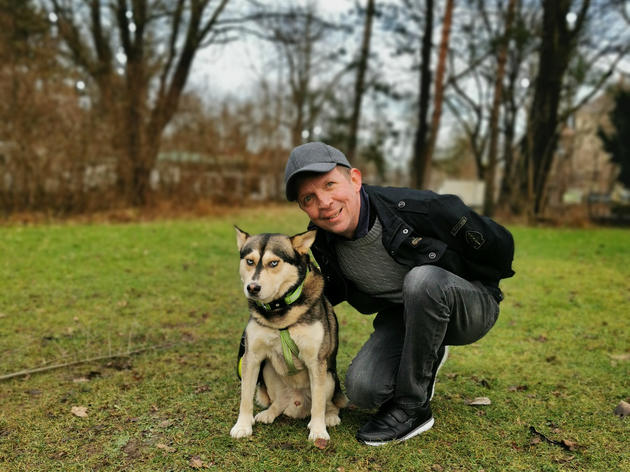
x,y
273,263
250,262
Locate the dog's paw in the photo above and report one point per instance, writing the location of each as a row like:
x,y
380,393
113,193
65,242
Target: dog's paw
x,y
241,430
316,434
318,431
332,419
265,416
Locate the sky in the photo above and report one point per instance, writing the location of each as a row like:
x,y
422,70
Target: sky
x,y
232,69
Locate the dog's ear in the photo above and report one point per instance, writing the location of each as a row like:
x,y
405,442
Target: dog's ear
x,y
241,237
302,242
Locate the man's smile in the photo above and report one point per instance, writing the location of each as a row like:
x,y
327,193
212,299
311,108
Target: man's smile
x,y
333,216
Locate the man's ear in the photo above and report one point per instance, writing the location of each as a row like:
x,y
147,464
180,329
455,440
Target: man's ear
x,y
356,178
241,237
302,242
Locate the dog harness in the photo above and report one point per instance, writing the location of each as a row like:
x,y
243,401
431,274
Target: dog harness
x,y
289,348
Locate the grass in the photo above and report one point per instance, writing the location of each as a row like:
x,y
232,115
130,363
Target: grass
x,y
557,360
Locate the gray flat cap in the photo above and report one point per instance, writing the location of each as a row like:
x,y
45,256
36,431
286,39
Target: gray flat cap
x,y
310,157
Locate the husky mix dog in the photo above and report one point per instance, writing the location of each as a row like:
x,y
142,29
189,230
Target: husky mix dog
x,y
289,346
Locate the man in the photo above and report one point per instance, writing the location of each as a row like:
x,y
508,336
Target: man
x,y
426,263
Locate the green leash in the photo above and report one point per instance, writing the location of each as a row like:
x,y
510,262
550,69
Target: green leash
x,y
289,349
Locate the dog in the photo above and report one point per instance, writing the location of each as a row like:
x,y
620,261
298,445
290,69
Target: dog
x,y
289,346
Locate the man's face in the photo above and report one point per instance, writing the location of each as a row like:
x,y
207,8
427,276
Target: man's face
x,y
332,200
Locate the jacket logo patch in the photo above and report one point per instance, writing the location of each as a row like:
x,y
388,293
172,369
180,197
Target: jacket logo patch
x,y
462,221
416,241
475,239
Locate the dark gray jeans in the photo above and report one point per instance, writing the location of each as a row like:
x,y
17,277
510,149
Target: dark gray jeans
x,y
397,360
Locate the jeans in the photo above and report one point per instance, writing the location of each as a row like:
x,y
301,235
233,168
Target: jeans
x,y
397,361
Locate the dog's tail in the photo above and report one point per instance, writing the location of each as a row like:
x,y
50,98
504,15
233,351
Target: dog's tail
x,y
340,400
262,397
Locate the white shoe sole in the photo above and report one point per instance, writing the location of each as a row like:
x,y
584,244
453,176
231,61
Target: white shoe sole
x,y
426,426
444,357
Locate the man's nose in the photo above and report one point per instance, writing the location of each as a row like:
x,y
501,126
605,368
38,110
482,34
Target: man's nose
x,y
324,201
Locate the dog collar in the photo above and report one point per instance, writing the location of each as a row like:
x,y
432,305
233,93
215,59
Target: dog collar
x,y
285,301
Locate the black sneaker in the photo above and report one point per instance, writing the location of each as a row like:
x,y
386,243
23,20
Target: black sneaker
x,y
441,359
394,423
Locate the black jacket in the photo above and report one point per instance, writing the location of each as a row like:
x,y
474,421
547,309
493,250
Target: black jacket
x,y
421,227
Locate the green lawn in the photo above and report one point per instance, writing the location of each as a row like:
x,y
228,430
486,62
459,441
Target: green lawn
x,y
557,360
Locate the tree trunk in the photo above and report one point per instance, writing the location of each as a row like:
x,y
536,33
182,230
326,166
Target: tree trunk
x,y
439,94
539,145
488,200
420,140
359,87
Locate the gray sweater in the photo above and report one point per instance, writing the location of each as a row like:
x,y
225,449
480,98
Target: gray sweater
x,y
367,264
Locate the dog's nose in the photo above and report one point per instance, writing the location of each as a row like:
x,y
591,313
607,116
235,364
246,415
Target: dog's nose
x,y
253,288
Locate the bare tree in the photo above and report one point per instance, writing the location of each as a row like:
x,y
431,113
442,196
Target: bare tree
x,y
422,130
359,86
579,74
304,41
43,129
488,201
564,26
138,55
427,153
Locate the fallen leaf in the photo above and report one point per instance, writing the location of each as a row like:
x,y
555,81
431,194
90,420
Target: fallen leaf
x,y
166,448
437,468
623,409
165,423
518,388
570,445
80,380
535,440
479,401
80,411
321,443
621,357
197,463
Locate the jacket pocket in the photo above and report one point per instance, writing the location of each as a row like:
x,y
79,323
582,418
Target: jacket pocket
x,y
421,250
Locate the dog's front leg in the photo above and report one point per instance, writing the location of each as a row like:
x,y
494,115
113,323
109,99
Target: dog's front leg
x,y
250,369
317,425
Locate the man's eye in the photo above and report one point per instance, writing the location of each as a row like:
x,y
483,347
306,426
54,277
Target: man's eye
x,y
250,262
330,184
274,263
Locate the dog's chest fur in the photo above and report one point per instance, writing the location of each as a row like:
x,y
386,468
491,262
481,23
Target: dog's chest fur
x,y
266,343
